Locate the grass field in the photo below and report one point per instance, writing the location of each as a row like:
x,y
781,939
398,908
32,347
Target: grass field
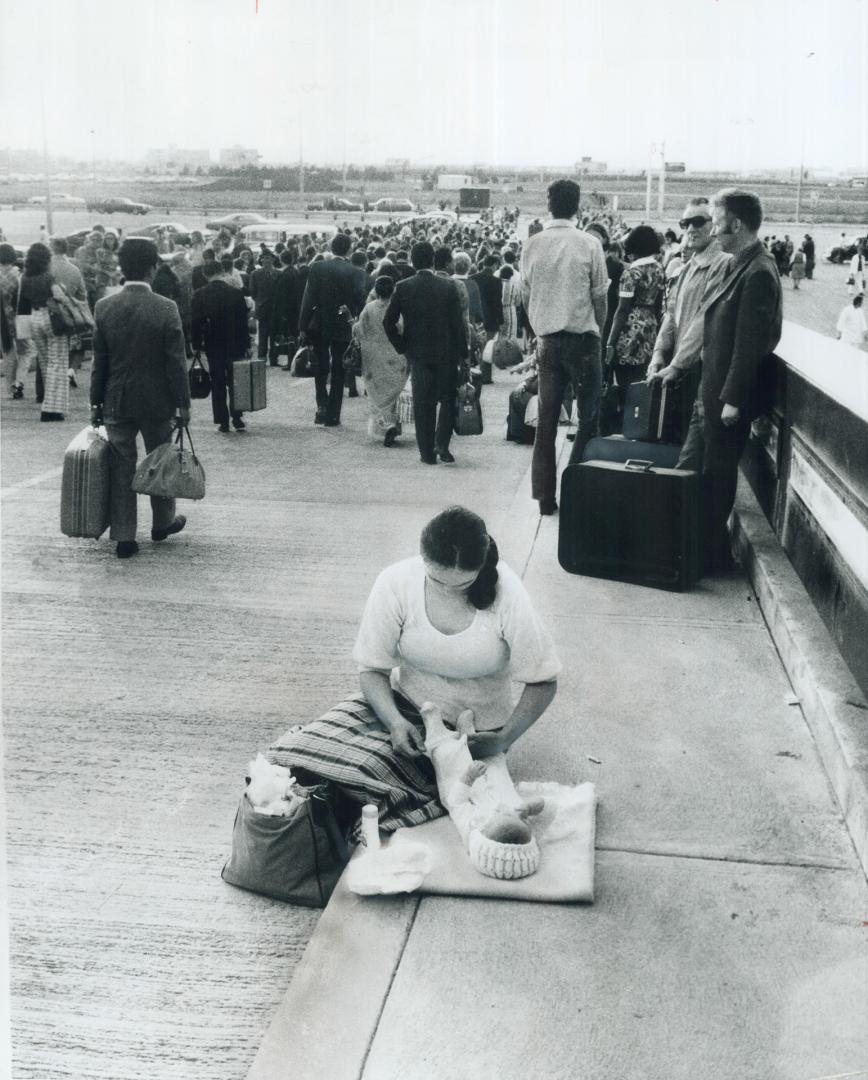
x,y
820,204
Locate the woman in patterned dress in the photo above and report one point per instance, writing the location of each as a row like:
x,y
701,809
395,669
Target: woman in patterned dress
x,y
640,301
52,349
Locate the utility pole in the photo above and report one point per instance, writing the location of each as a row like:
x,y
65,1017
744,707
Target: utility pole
x,y
662,187
648,181
92,156
300,164
802,153
49,214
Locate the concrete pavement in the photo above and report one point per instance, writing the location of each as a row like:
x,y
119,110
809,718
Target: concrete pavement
x,y
727,940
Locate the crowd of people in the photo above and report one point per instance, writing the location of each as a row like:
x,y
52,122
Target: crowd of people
x,y
587,298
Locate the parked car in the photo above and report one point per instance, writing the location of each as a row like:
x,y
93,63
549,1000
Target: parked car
x,y
331,203
232,222
179,233
394,206
274,232
58,201
117,204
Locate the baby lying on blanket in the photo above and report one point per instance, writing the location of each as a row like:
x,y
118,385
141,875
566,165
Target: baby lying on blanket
x,y
481,799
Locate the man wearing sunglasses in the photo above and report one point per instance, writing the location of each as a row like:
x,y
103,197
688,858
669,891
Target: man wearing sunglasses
x,y
679,340
741,324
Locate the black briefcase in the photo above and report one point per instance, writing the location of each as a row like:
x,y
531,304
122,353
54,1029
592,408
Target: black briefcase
x,y
656,413
631,522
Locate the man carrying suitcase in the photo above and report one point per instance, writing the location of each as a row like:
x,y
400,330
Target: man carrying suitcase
x,y
138,383
741,327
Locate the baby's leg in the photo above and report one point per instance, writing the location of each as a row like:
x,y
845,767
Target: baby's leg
x,y
501,789
448,752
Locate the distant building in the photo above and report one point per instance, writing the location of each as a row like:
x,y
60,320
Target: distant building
x,y
588,167
174,159
453,181
236,157
675,166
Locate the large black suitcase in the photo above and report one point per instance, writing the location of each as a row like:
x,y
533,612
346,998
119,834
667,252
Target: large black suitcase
x,y
617,448
631,522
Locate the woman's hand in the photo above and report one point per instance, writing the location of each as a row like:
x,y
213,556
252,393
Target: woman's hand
x,y
406,739
485,744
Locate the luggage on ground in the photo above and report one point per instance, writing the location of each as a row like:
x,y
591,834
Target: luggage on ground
x,y
248,385
516,428
631,522
84,492
297,858
617,448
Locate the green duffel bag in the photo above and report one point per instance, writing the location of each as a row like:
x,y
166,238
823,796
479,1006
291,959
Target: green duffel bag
x,y
297,858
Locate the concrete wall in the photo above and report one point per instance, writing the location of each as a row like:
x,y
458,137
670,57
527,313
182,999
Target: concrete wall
x,y
808,466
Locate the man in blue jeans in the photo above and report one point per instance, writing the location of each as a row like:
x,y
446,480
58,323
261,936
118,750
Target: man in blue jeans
x,y
564,287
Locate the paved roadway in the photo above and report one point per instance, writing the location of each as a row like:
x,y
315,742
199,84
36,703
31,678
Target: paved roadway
x,y
727,940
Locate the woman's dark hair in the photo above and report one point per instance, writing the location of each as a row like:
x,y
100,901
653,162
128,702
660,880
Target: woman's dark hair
x,y
642,241
384,286
506,272
458,539
8,255
37,260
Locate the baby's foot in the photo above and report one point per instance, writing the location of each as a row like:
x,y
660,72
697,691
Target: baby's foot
x,y
473,772
533,806
464,724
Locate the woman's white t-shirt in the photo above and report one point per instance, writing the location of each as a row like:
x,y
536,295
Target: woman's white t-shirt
x,y
474,669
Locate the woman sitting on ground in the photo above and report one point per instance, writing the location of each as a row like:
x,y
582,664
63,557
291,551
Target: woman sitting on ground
x,y
452,626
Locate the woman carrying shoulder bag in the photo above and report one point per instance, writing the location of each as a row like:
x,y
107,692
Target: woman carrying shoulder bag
x,y
52,349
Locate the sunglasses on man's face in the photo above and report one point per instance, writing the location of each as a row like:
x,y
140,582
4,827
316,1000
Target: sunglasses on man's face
x,y
696,222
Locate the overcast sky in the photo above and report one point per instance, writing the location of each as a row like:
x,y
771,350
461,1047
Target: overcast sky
x,y
727,84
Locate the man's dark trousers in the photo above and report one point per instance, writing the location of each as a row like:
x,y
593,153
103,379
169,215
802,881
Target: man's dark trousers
x,y
433,385
563,359
265,346
222,386
714,451
329,377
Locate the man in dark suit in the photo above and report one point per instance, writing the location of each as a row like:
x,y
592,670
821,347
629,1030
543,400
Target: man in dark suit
x,y
333,294
263,282
491,294
742,326
435,342
138,383
220,327
287,302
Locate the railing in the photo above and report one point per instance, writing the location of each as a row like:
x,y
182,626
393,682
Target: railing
x,y
808,466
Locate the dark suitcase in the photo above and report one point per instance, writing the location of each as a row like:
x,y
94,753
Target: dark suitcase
x,y
617,448
248,385
84,489
631,522
656,413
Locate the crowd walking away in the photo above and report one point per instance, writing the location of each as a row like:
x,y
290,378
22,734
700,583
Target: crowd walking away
x,y
415,315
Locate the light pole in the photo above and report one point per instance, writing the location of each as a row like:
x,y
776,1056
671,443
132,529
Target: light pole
x,y
92,156
49,214
801,158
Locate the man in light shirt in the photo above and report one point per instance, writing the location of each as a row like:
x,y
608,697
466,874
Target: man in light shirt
x,y
678,347
851,327
564,290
